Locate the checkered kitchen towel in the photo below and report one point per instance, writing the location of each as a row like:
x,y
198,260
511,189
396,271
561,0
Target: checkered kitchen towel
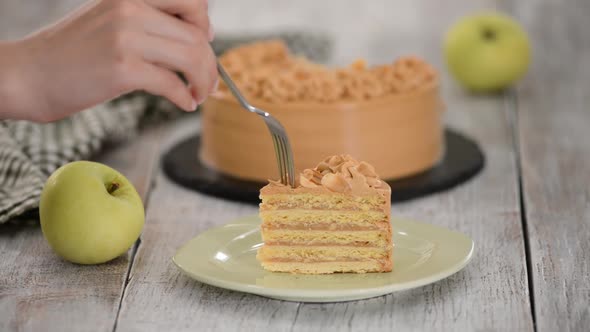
x,y
30,152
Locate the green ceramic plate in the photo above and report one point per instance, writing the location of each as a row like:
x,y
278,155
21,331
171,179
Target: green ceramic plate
x,y
226,257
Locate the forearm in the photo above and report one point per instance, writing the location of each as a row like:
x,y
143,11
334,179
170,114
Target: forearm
x,y
17,100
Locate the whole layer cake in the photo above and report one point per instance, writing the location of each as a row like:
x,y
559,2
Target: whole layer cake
x,y
337,219
388,115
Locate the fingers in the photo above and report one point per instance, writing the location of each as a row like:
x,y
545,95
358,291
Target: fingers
x,y
161,24
162,82
195,61
192,11
154,45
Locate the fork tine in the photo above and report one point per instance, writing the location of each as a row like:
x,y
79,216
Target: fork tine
x,y
287,160
276,148
279,155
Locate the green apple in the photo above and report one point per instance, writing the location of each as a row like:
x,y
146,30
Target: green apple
x,y
90,213
487,52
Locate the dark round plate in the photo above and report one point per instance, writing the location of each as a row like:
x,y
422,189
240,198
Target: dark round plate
x,y
463,159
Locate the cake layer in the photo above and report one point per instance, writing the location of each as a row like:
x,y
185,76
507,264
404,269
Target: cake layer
x,y
332,201
310,254
329,267
376,239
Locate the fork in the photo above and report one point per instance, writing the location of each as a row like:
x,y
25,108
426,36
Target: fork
x,y
277,131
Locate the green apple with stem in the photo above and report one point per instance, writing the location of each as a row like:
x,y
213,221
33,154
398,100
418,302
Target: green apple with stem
x,y
487,52
90,213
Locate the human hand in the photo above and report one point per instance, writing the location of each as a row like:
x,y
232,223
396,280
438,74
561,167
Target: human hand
x,y
105,49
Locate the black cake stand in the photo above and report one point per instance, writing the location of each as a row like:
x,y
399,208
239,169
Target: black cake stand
x,y
463,159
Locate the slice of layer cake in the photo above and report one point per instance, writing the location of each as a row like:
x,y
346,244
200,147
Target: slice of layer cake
x,y
337,219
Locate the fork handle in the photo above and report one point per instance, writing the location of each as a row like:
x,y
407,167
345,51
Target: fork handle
x,y
234,89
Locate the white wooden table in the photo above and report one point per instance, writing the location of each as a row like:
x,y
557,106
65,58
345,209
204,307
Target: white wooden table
x,y
528,212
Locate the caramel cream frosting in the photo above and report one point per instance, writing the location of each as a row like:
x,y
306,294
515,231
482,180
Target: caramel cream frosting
x,y
390,115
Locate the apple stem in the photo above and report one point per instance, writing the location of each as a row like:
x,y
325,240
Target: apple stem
x,y
112,187
489,34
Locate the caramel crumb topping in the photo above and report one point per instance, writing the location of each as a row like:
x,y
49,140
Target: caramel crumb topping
x,y
341,173
266,70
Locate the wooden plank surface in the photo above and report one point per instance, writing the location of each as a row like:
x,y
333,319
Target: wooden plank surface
x,y
554,120
490,294
41,292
